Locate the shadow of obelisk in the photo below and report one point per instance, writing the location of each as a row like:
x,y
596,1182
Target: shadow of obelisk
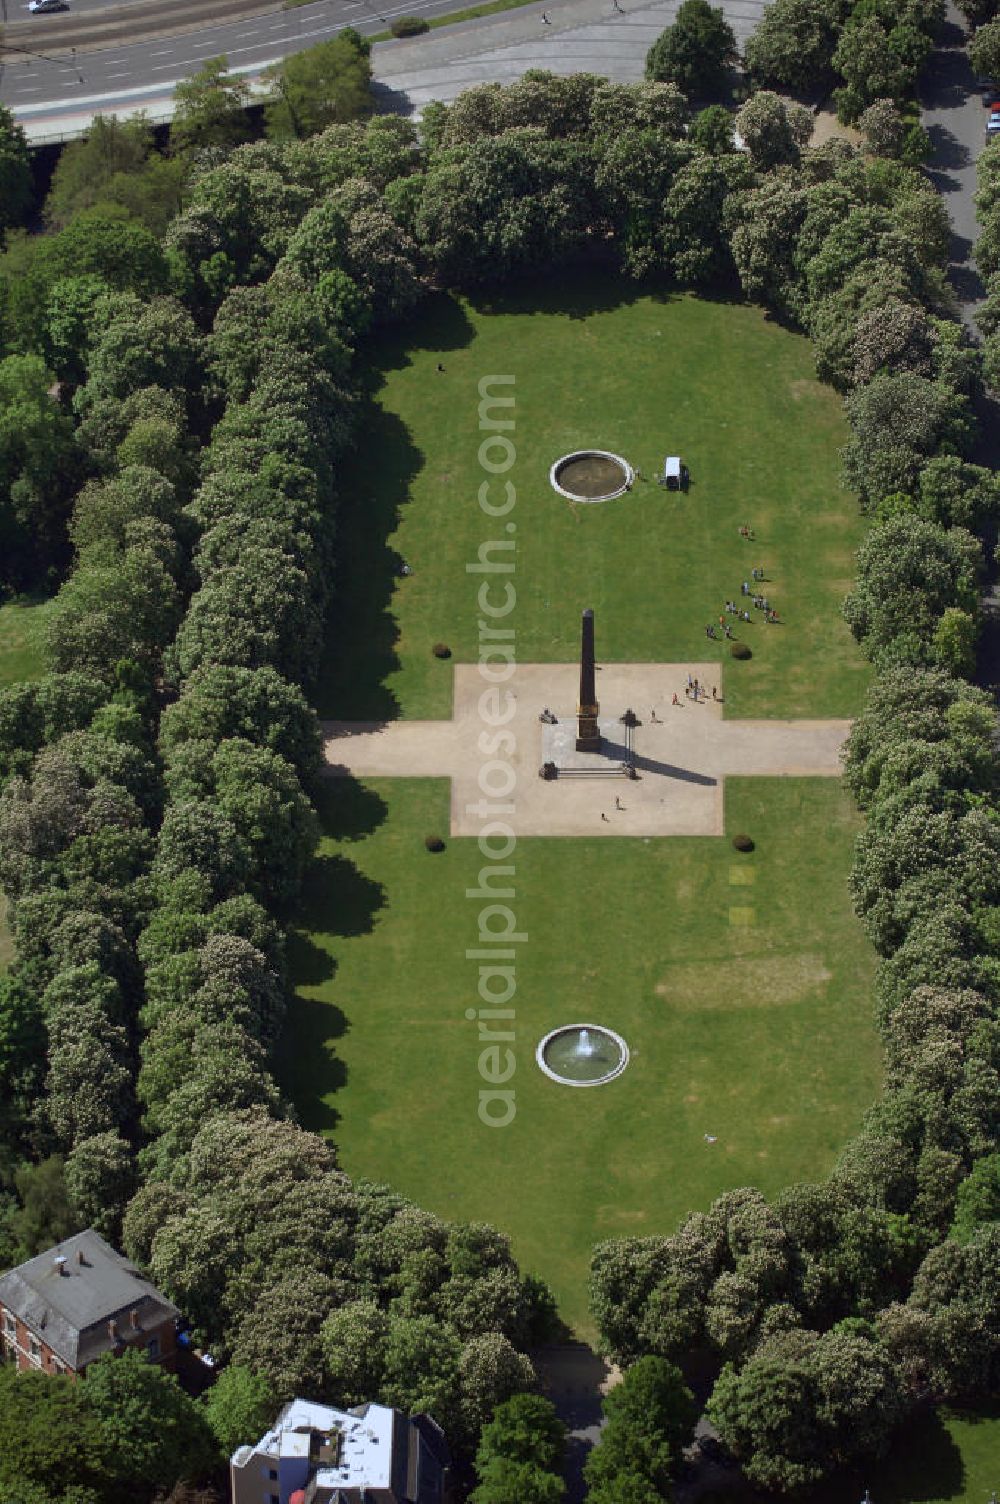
x,y
588,734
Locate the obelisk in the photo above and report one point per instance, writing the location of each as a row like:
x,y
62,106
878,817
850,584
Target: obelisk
x,y
588,735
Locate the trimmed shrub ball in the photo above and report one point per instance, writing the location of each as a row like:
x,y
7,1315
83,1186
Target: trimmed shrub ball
x,y
408,26
743,843
741,650
441,650
433,843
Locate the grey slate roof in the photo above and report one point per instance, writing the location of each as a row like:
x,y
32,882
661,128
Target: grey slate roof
x,y
70,1310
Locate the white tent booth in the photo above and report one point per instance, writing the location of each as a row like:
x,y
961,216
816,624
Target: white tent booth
x,y
673,472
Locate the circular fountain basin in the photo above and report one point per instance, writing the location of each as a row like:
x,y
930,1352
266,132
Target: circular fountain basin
x,y
582,1055
591,475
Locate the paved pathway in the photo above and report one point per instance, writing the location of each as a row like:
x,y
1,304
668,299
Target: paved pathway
x,y
683,756
954,117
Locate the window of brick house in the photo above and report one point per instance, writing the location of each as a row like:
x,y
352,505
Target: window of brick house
x,y
153,1348
9,1324
36,1351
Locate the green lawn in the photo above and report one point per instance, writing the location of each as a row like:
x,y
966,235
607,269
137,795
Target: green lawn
x,y
741,984
22,626
733,393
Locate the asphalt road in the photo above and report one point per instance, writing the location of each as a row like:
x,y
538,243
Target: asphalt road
x,y
954,116
55,95
55,98
88,25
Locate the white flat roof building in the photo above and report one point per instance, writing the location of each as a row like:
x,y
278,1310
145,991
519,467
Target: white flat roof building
x,y
314,1454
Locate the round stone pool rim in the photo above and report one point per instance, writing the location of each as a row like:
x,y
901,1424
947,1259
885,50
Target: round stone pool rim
x,y
591,454
616,1070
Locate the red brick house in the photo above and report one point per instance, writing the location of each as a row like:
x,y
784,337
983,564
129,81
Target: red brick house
x,y
69,1305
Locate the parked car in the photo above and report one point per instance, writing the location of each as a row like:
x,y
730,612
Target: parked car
x,y
35,6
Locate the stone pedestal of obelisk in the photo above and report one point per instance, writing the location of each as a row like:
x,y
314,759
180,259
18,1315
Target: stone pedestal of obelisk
x,y
588,734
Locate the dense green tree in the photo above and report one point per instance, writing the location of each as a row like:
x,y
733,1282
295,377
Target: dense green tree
x,y
524,1428
95,243
277,1334
653,1401
15,173
634,178
712,130
925,709
210,108
490,1371
909,572
650,1417
35,713
958,1287
505,204
870,66
892,337
73,313
764,225
104,509
883,128
155,1433
978,1199
140,345
50,1436
85,168
239,1408
101,1179
953,646
792,45
984,49
898,422
45,1215
696,52
218,703
324,85
254,615
804,1404
353,1338
772,131
37,457
116,605
506,1482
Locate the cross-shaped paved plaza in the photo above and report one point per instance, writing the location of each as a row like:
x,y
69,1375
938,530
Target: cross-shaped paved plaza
x,y
683,753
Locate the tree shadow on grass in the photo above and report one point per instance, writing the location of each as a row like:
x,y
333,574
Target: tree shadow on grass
x,y
439,325
374,488
338,902
347,810
577,292
361,629
923,1463
307,1067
